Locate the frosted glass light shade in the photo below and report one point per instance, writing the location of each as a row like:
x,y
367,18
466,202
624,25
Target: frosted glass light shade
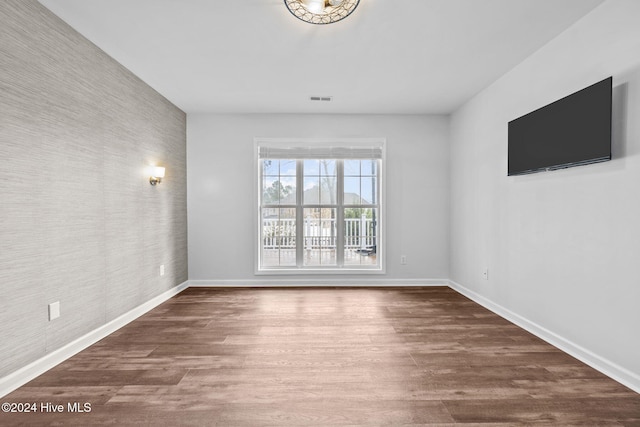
x,y
157,172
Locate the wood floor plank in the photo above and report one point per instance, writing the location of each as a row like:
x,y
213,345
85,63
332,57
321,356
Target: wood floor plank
x,y
111,376
557,411
323,357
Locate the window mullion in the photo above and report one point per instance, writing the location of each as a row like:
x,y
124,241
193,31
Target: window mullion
x,y
340,213
299,213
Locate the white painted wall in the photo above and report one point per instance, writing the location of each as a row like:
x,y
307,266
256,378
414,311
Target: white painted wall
x,y
563,247
222,209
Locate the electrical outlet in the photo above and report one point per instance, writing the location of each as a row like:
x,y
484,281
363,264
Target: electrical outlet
x,y
54,310
403,259
485,273
162,270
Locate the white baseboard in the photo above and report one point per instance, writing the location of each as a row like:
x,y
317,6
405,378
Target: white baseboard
x,y
40,366
610,369
329,282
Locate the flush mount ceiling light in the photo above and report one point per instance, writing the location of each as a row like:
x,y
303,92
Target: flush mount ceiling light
x,y
321,11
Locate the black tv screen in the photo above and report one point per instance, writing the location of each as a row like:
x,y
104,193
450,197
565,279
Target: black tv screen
x,y
573,131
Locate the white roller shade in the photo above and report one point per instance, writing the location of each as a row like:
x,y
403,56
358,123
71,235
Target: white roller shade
x,y
269,150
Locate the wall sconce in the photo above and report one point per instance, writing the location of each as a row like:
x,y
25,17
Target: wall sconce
x,y
157,173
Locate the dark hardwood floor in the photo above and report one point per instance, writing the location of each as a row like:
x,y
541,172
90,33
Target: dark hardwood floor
x,y
320,357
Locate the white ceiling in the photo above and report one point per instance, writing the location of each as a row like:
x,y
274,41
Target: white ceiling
x,y
253,56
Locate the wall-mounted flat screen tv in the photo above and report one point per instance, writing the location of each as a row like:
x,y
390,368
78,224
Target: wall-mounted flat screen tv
x,y
573,131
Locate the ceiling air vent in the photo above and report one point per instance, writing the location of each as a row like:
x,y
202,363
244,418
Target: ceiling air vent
x,y
321,98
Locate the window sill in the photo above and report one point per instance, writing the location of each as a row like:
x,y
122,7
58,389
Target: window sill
x,y
319,271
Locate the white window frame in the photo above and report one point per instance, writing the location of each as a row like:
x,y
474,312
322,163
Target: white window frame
x,y
311,143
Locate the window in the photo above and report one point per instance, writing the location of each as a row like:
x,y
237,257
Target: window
x,y
320,206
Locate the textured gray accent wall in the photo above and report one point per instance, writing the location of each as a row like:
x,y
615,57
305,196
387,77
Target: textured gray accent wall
x,y
79,222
